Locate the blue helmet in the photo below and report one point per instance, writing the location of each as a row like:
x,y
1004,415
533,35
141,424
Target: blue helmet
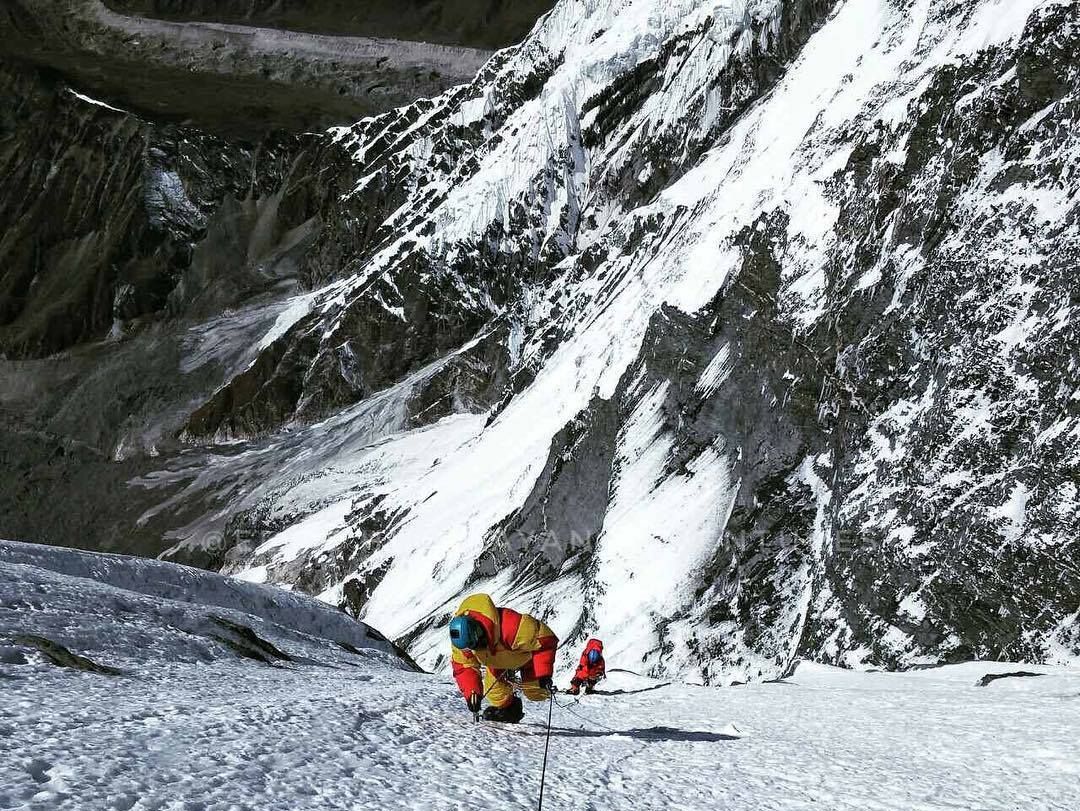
x,y
466,633
594,657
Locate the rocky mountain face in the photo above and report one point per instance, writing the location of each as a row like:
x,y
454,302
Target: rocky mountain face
x,y
240,81
734,333
192,197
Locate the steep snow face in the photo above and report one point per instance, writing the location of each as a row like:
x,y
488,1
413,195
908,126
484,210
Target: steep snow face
x,y
729,332
529,151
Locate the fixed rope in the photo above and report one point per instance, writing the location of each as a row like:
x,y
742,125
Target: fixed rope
x,y
581,717
547,743
505,679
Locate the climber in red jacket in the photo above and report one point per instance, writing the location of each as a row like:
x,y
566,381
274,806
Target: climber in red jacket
x,y
590,669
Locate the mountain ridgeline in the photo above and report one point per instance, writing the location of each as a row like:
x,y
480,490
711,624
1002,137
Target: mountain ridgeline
x,y
734,333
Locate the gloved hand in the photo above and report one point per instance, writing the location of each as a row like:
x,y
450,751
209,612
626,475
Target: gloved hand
x,y
473,702
546,684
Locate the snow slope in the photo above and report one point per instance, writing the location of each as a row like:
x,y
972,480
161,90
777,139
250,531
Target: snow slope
x,y
362,732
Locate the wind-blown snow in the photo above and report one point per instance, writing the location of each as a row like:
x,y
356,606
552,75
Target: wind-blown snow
x,y
778,156
657,532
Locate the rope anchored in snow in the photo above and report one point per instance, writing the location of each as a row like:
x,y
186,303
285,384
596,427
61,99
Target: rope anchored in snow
x,y
547,743
517,685
547,739
581,717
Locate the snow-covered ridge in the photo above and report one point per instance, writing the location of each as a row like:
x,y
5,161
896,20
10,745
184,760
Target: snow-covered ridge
x,y
125,612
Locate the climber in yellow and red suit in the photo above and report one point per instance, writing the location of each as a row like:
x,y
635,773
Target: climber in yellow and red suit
x,y
494,649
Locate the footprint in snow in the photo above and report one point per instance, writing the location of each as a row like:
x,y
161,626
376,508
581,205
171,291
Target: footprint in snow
x,y
38,769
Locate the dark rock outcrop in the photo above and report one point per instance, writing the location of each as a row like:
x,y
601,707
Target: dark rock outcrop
x,y
244,642
132,237
990,678
62,657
